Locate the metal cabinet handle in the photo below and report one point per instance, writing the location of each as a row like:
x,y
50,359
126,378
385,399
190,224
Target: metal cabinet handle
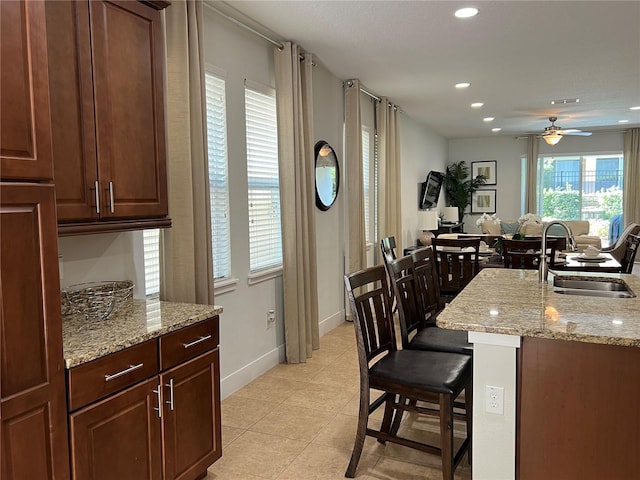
x,y
170,385
97,194
111,197
108,378
195,342
159,393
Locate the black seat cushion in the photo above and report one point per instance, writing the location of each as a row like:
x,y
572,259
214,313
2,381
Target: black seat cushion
x,y
441,340
438,372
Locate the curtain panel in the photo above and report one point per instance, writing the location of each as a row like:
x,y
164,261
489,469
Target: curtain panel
x,y
531,199
187,269
357,250
631,191
297,199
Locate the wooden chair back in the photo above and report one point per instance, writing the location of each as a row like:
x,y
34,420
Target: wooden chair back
x,y
404,288
630,253
425,271
368,293
525,254
388,248
457,262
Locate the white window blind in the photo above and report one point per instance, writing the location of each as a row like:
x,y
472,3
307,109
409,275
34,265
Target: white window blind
x,y
218,175
365,180
151,248
265,234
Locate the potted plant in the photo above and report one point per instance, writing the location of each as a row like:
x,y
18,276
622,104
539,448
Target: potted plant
x,y
459,187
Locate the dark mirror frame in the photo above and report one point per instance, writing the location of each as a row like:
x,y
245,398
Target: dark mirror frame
x,y
320,203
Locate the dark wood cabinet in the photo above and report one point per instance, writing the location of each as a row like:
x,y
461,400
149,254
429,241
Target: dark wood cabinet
x,y
25,136
169,415
32,408
107,106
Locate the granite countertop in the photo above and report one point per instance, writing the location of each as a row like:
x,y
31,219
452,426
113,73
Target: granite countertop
x,y
512,302
86,340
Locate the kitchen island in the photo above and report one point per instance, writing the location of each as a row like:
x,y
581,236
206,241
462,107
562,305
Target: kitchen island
x,y
570,369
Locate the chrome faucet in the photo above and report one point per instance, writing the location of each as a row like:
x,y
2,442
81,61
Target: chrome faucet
x,y
543,268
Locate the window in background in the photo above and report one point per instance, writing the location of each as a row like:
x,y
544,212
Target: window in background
x,y
218,174
265,234
581,187
151,248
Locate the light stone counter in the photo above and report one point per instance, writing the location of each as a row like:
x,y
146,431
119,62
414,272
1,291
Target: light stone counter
x,y
85,340
512,302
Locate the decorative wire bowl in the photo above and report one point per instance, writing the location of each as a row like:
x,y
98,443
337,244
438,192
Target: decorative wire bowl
x,y
98,300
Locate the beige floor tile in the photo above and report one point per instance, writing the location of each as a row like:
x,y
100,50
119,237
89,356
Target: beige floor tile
x,y
337,343
324,356
353,407
319,396
293,422
222,472
300,371
258,454
390,469
338,373
319,462
270,388
242,412
340,433
229,434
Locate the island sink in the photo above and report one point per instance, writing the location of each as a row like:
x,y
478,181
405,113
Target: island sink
x,y
592,287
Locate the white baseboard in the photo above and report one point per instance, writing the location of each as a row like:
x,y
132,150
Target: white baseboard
x,y
241,377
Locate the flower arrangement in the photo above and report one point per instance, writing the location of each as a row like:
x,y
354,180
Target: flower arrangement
x,y
530,219
488,218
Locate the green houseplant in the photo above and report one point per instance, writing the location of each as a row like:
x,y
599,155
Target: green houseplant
x,y
459,187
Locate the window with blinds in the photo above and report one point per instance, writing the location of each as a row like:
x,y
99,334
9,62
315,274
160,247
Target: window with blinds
x,y
218,174
265,234
366,148
151,248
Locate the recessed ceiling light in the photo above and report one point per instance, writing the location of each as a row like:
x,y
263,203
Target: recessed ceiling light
x,y
463,85
635,108
488,119
623,121
477,105
497,129
466,12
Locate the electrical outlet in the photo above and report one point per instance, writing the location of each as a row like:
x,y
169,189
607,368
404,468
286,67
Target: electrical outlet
x,y
494,399
271,318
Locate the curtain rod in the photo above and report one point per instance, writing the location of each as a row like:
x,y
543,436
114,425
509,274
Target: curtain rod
x,y
349,83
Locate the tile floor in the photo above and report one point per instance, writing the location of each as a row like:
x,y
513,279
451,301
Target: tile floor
x,y
298,422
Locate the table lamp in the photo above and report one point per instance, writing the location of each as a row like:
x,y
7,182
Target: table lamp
x,y
450,215
428,222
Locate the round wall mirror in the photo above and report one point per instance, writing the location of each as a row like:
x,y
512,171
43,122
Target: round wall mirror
x,y
327,175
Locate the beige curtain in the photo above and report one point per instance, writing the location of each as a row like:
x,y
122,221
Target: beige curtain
x,y
631,195
389,184
187,268
297,200
357,251
531,198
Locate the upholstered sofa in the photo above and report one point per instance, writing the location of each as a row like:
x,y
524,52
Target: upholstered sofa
x,y
579,229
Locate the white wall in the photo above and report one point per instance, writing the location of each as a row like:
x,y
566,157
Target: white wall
x,y
508,153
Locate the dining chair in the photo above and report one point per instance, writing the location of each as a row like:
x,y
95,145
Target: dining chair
x,y
405,377
458,262
388,250
416,288
626,263
618,249
525,254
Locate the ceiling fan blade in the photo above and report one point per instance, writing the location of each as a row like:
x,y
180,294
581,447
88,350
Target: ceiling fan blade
x,y
568,130
580,133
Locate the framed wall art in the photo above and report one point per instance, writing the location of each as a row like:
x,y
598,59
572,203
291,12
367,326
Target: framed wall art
x,y
488,169
483,201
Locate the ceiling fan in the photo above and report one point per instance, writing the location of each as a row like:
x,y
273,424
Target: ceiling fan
x,y
553,134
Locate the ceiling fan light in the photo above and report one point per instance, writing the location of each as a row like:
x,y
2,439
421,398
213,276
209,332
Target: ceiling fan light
x,y
552,139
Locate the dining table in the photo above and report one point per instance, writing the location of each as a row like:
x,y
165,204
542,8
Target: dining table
x,y
603,262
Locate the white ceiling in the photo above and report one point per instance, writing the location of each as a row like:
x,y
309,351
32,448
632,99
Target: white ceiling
x,y
517,55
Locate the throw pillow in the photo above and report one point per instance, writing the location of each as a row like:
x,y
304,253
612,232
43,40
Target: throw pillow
x,y
509,228
491,228
534,229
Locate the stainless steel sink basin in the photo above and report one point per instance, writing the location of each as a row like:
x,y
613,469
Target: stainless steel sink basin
x,y
592,287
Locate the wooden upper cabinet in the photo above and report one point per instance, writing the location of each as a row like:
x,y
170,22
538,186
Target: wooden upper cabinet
x,y
32,391
107,105
25,136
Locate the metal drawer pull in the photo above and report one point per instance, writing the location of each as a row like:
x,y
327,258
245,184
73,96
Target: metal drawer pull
x,y
195,342
170,385
159,393
111,196
108,378
97,193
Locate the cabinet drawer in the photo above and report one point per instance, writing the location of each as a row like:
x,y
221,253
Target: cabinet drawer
x,y
188,342
111,373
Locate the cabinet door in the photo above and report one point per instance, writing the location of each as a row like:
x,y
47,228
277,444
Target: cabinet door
x,y
32,392
25,136
72,111
192,431
119,437
127,53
